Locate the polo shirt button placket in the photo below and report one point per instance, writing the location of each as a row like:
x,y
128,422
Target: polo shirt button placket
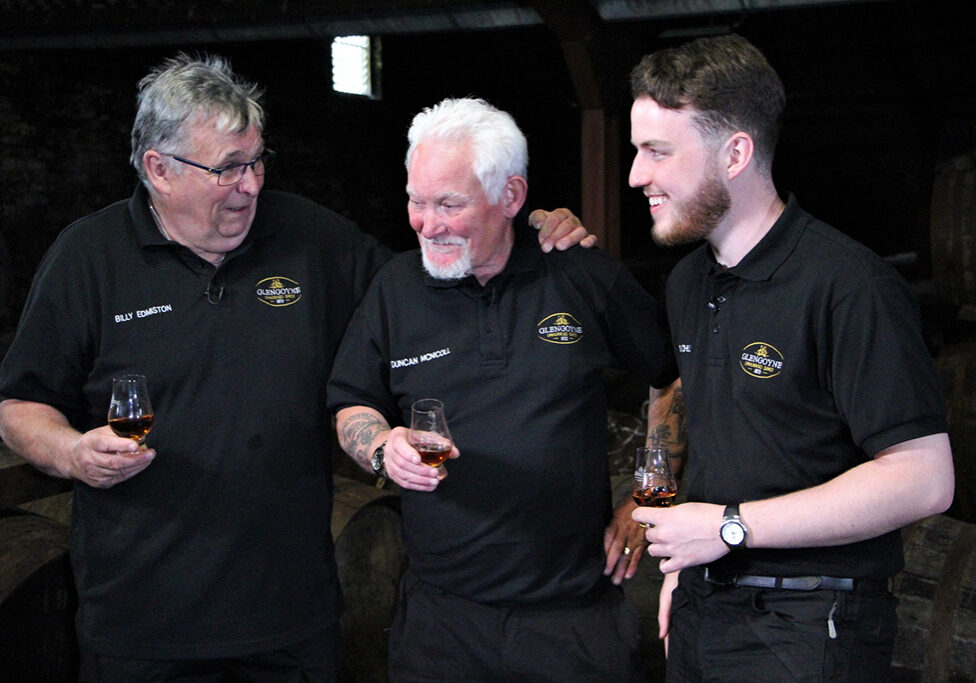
x,y
715,305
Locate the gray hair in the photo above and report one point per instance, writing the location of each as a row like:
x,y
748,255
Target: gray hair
x,y
499,147
184,89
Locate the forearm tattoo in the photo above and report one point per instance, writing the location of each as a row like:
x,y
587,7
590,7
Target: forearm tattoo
x,y
667,423
357,433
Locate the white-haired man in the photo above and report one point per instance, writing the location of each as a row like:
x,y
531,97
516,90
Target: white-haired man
x,y
510,555
213,559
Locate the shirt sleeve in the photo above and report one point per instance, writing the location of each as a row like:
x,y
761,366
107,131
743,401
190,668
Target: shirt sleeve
x,y
884,379
638,329
360,374
50,356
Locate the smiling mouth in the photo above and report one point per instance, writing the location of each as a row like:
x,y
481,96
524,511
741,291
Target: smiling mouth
x,y
656,200
442,246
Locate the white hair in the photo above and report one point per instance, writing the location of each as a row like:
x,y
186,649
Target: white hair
x,y
498,146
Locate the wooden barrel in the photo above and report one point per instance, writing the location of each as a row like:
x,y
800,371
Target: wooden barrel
x,y
37,600
953,231
936,593
370,556
957,370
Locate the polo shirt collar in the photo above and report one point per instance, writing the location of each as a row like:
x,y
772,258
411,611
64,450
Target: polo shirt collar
x,y
148,234
772,250
261,226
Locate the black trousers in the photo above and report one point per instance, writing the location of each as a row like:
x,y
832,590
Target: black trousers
x,y
437,636
316,660
743,634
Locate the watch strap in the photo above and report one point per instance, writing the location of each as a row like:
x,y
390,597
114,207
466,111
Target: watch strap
x,y
377,461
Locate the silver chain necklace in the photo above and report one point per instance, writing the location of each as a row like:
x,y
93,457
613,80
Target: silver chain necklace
x,y
159,223
162,231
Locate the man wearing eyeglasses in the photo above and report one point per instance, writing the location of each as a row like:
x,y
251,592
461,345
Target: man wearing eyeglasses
x,y
216,562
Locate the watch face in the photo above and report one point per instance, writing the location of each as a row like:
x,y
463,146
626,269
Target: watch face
x,y
733,533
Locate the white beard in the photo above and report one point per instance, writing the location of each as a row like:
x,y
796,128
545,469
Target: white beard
x,y
459,268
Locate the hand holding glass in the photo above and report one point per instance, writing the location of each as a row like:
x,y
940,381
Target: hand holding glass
x,y
428,431
654,482
130,413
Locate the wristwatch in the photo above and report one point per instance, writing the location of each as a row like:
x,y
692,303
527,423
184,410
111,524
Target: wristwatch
x,y
377,460
733,531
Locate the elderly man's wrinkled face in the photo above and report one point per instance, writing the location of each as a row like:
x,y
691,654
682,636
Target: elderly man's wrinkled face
x,y
207,217
460,232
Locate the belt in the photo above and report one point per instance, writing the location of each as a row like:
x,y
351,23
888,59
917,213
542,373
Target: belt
x,y
797,583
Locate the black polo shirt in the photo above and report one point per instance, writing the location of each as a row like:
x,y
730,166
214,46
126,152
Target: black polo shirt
x,y
798,364
518,364
222,545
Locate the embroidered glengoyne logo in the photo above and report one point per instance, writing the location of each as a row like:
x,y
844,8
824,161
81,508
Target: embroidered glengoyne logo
x,y
560,328
761,360
278,291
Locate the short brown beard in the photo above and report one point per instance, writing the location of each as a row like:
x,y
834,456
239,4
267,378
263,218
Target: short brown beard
x,y
697,217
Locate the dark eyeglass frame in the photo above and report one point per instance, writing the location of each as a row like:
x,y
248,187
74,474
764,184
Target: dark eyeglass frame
x,y
264,159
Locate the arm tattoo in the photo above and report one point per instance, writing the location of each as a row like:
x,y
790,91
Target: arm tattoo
x,y
668,424
357,433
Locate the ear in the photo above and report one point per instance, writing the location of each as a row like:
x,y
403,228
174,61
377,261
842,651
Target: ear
x,y
157,171
738,151
516,190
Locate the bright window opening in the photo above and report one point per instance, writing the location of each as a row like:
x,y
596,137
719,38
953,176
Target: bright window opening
x,y
352,65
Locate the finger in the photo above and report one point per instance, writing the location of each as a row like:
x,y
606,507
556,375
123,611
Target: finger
x,y
607,540
537,218
664,619
110,465
127,458
637,552
635,559
623,564
574,236
545,236
669,564
641,515
103,477
416,476
556,225
425,473
129,471
414,482
612,548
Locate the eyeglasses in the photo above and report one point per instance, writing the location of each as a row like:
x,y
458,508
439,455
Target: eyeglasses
x,y
231,174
